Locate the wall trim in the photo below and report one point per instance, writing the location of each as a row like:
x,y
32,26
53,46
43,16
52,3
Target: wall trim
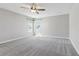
x,y
75,47
12,39
52,36
35,36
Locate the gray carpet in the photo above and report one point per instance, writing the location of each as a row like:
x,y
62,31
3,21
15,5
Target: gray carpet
x,y
38,47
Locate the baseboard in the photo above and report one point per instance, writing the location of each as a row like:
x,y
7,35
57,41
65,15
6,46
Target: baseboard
x,y
53,36
75,47
36,36
12,39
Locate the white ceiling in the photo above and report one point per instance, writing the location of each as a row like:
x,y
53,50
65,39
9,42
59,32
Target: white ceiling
x,y
52,9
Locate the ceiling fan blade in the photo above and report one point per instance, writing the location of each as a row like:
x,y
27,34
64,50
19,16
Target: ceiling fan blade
x,y
41,9
25,6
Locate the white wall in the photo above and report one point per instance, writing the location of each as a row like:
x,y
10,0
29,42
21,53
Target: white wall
x,y
12,25
55,26
74,26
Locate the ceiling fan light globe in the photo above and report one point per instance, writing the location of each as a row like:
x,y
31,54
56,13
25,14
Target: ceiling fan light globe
x,y
33,11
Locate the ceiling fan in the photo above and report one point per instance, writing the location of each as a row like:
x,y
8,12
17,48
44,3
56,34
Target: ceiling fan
x,y
34,7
